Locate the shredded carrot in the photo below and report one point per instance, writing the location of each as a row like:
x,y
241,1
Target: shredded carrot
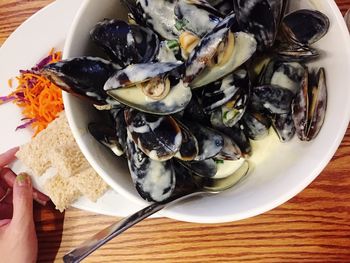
x,y
40,99
10,83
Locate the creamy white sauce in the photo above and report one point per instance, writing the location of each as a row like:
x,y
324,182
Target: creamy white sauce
x,y
228,168
161,17
165,54
200,22
245,46
157,180
260,154
282,80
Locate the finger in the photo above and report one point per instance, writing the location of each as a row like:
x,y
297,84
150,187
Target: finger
x,y
4,222
7,176
8,156
22,201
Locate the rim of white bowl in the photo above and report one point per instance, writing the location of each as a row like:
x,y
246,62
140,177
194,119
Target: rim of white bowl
x,y
232,217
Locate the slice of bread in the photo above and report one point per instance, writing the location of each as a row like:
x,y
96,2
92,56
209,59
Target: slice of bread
x,y
55,147
68,160
90,184
62,191
35,154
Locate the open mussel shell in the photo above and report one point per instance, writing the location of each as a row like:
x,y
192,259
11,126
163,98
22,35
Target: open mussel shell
x,y
83,76
284,126
244,48
309,106
260,18
124,88
205,168
155,181
207,48
197,16
305,26
139,73
159,137
233,111
274,99
125,44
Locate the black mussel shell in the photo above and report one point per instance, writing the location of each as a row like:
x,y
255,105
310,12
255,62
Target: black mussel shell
x,y
205,168
210,142
189,145
159,137
155,181
309,106
107,136
261,18
202,54
305,26
257,125
125,44
83,76
188,13
223,6
284,126
295,52
274,99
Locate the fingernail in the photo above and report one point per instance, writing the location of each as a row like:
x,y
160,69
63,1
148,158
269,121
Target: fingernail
x,y
23,180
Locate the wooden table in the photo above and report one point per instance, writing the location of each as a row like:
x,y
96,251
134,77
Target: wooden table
x,y
312,227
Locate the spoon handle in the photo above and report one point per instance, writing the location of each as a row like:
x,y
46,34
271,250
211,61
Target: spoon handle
x,y
102,237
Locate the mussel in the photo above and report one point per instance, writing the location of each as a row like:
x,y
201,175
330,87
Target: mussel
x,y
159,137
155,181
219,53
196,16
310,104
125,44
84,77
260,18
153,88
305,26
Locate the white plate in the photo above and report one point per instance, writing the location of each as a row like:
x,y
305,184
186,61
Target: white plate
x,y
25,47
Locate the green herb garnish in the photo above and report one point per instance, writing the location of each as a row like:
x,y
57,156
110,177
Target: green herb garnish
x,y
180,24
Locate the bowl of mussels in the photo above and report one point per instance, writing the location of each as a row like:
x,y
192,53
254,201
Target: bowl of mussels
x,y
159,92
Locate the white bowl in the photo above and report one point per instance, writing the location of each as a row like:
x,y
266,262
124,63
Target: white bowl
x,y
280,170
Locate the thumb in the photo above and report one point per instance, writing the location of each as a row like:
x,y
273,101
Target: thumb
x,y
22,201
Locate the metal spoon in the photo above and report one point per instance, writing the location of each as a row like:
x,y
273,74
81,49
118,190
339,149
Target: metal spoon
x,y
199,186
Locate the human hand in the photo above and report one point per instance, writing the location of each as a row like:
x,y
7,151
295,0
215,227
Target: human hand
x,y
18,241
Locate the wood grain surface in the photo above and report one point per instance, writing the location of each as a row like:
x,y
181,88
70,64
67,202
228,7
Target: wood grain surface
x,y
312,227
